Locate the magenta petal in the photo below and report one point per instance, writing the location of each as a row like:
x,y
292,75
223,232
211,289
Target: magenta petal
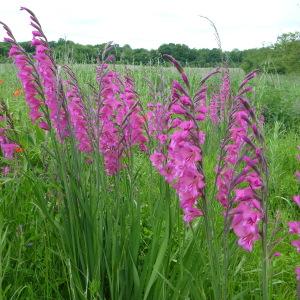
x,y
296,244
297,270
294,227
296,199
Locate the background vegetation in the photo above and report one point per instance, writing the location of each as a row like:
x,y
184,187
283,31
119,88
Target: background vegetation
x,y
32,263
281,57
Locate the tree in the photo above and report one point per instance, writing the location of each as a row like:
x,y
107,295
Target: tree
x,y
287,50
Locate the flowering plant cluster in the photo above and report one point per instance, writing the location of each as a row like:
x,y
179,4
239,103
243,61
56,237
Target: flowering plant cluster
x,y
173,132
294,226
121,124
178,156
115,125
219,101
7,146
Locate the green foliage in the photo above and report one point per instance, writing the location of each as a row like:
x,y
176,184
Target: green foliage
x,y
4,48
145,249
278,100
281,58
287,51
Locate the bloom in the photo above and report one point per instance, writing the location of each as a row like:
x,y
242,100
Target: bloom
x,y
296,199
178,156
47,72
78,118
240,172
8,150
7,147
121,122
245,222
25,74
294,227
297,270
296,244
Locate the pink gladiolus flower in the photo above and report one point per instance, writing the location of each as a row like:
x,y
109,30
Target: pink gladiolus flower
x,y
247,241
44,125
200,100
213,109
8,150
158,119
244,194
5,170
294,227
297,174
7,147
162,138
185,100
121,122
245,225
157,160
224,93
178,157
296,199
78,119
36,33
277,254
191,213
178,109
249,76
25,74
296,244
238,173
254,181
297,271
47,72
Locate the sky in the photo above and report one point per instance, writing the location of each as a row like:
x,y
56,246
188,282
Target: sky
x,y
148,24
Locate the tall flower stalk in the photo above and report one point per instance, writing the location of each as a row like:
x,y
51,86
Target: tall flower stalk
x,y
294,229
179,156
79,116
48,73
242,180
120,125
29,78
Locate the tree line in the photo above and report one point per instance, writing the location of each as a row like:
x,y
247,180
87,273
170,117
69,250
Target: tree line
x,y
281,57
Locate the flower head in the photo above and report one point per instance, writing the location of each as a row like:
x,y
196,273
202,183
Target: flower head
x,y
296,244
294,227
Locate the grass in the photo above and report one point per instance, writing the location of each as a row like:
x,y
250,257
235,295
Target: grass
x,y
146,250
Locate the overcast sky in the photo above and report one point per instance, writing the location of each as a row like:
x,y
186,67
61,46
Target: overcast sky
x,y
147,24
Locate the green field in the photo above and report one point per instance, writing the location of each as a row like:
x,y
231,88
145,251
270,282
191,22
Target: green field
x,y
127,230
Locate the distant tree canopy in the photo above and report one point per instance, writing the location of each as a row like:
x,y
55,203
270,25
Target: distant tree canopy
x,y
281,57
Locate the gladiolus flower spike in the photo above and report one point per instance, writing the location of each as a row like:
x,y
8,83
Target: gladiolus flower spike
x,y
242,173
121,125
178,157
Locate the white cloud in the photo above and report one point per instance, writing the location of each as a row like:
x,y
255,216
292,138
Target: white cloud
x,y
140,23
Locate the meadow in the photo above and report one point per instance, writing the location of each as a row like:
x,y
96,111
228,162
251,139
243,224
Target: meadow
x,y
77,222
33,265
